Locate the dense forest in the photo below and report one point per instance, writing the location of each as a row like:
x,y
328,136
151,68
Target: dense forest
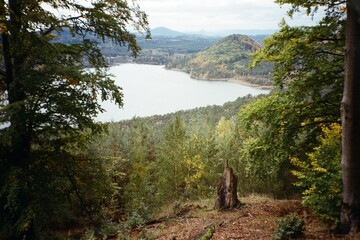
x,y
65,176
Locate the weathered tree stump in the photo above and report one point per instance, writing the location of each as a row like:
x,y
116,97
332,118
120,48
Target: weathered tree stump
x,y
227,190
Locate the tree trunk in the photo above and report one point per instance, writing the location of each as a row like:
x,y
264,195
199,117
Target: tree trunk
x,y
227,190
350,114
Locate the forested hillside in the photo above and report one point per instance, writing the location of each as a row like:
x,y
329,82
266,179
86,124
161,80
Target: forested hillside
x,y
180,157
229,58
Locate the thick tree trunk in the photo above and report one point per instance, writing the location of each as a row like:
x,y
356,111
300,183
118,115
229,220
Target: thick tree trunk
x,y
350,214
227,190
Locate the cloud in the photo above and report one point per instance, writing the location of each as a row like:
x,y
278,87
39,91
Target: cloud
x,y
213,15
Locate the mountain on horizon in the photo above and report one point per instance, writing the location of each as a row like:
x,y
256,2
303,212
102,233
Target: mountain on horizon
x,y
167,32
249,32
164,31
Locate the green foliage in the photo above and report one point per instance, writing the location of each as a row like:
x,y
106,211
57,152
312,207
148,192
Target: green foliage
x,y
311,8
320,175
135,220
290,227
139,154
172,152
269,135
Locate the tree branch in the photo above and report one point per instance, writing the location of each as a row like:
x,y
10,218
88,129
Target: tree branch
x,y
78,194
47,31
328,52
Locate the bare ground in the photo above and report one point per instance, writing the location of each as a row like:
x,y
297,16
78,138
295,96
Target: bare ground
x,y
256,219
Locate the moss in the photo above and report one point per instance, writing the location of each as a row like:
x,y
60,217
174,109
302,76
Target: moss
x,y
209,233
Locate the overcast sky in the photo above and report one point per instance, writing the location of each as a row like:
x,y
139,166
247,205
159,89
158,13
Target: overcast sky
x,y
215,15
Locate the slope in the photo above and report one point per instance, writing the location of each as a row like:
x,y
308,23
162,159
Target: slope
x,y
256,219
229,58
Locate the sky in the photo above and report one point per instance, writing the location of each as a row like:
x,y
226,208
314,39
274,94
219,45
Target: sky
x,y
217,15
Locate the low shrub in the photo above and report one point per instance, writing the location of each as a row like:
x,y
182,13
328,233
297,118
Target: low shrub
x,y
290,227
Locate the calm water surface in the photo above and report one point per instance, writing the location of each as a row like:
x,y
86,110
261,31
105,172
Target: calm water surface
x,y
150,90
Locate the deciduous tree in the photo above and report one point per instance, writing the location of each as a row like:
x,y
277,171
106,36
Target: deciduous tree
x,y
48,97
308,72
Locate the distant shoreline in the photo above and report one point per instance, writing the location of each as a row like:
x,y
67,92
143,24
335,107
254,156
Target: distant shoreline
x,y
232,80
242,82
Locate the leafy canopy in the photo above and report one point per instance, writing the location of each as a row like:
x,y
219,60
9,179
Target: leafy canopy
x,y
308,72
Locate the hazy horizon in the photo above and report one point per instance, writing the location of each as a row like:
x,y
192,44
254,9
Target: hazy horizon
x,y
215,16
222,32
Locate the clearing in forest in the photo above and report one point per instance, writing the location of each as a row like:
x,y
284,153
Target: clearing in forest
x,y
255,219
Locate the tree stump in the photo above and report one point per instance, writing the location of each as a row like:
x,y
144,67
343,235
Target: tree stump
x,y
227,190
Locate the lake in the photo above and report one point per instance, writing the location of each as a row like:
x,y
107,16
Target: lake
x,y
151,90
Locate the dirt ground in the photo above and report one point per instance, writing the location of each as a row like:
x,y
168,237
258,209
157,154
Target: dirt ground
x,y
256,219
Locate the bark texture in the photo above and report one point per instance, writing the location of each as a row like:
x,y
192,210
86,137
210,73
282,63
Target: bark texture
x,y
227,190
350,114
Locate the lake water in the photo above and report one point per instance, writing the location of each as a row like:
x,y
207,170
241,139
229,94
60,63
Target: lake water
x,y
151,90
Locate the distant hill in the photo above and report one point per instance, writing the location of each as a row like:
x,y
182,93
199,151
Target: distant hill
x,y
248,32
255,34
228,58
165,46
163,31
224,33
